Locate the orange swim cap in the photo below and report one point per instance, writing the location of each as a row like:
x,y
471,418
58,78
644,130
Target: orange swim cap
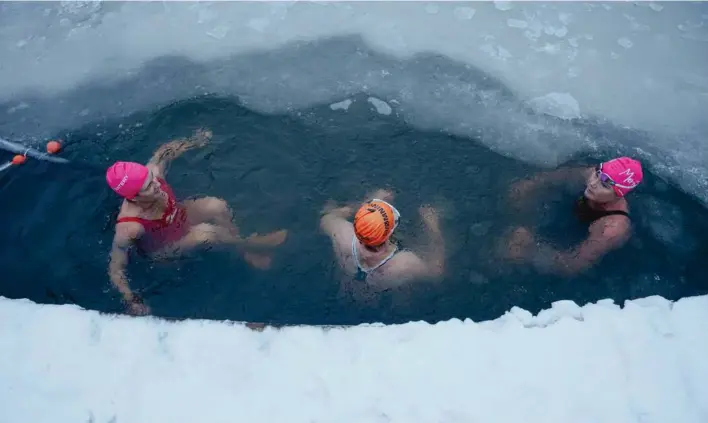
x,y
374,222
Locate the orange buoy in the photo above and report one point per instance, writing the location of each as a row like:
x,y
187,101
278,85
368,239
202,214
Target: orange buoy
x,y
53,147
19,159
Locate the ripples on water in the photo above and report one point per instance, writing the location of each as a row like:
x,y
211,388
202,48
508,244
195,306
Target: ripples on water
x,y
277,171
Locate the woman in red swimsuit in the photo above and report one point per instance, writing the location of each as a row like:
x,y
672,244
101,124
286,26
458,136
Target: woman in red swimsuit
x,y
152,220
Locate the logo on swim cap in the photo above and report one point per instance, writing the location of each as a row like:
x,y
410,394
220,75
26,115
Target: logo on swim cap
x,y
127,178
373,222
625,172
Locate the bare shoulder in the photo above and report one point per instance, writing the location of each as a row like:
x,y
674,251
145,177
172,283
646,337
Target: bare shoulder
x,y
127,232
407,264
615,228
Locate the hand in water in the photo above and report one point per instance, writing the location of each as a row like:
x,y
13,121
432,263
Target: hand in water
x,y
201,137
431,218
136,307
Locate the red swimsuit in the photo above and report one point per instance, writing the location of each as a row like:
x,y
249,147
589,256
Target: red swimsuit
x,y
171,227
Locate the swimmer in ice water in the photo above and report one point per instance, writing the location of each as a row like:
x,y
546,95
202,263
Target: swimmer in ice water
x,y
366,252
602,206
152,219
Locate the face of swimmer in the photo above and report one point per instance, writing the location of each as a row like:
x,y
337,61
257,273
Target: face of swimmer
x,y
150,191
598,187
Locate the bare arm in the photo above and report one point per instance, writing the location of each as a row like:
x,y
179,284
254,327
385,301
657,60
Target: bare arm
x,y
434,252
563,176
427,264
604,236
332,216
164,155
124,238
335,225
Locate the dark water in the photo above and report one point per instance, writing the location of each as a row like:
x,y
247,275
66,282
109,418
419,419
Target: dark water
x,y
277,172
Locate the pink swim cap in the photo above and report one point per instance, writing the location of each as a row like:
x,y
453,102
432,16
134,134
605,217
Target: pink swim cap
x,y
127,178
626,174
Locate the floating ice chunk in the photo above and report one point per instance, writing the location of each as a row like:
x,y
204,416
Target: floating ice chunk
x,y
656,7
342,105
561,32
80,7
636,26
534,31
517,23
381,106
503,5
625,42
464,13
218,32
496,51
549,48
561,105
503,53
573,42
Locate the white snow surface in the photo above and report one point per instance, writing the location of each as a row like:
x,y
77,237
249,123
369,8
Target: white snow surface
x,y
597,363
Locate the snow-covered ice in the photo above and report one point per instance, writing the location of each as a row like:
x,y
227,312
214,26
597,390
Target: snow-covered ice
x,y
597,363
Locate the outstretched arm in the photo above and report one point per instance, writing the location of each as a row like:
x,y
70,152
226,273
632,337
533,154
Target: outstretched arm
x,y
164,155
122,241
562,176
